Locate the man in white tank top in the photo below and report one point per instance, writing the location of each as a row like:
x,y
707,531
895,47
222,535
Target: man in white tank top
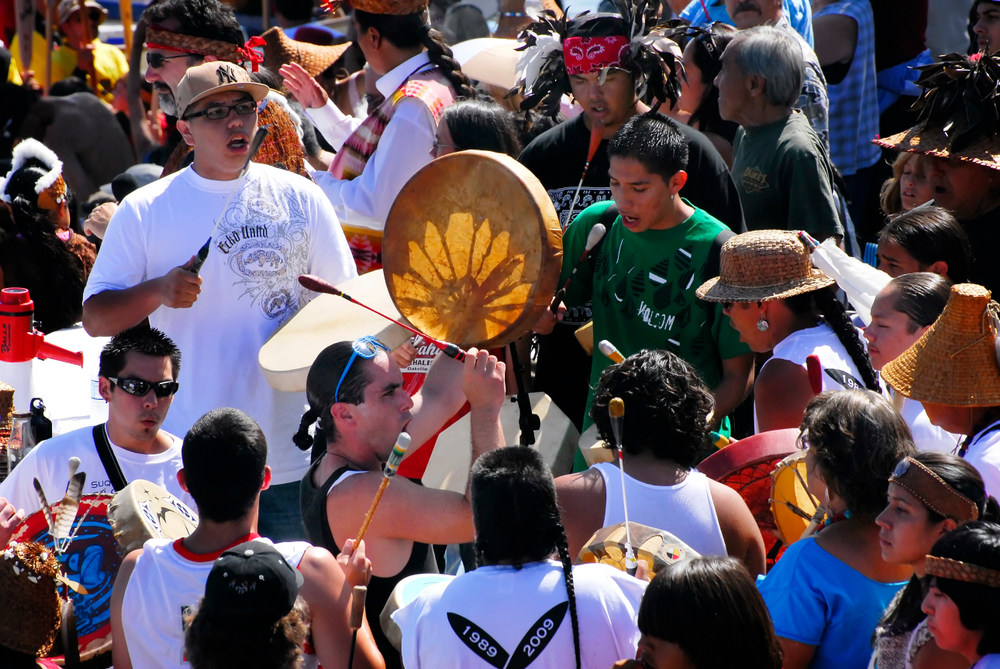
x,y
224,457
665,426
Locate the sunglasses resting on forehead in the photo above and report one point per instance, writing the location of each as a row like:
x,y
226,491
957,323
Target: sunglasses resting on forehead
x,y
366,347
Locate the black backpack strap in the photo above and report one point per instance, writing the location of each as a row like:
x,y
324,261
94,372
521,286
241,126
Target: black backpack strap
x,y
108,458
607,219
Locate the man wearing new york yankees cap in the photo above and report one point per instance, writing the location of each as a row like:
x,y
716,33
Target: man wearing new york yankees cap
x,y
272,227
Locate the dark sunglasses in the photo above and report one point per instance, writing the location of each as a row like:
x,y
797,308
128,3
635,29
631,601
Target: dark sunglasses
x,y
157,60
221,112
140,388
367,348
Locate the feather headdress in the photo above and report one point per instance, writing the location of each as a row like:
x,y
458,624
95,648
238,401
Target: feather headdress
x,y
958,111
646,54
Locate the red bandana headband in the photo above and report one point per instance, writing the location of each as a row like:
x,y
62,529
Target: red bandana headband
x,y
584,55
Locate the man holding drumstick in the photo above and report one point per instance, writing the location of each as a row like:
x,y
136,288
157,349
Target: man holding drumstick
x,y
355,391
272,226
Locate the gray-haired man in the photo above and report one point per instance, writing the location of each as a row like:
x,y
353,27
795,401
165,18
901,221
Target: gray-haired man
x,y
782,171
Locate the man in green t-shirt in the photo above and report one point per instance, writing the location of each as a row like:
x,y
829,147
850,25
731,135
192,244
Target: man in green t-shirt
x,y
643,275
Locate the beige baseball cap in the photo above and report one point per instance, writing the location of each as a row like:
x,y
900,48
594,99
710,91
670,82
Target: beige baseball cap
x,y
215,77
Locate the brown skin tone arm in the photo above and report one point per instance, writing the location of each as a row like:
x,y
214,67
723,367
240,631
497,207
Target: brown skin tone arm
x,y
739,529
795,655
737,379
581,501
111,311
327,591
781,394
836,38
119,650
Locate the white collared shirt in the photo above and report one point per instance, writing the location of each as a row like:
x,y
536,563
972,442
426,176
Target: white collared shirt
x,y
404,148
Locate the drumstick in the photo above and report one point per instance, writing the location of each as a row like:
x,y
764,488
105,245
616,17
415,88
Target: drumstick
x,y
318,285
358,595
616,410
202,254
388,471
596,134
595,235
609,350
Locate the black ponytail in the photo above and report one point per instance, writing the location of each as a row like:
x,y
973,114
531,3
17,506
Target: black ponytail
x,y
410,30
302,438
567,564
441,55
825,302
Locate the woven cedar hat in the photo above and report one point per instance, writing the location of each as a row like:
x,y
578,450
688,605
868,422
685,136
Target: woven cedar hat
x,y
955,361
763,265
280,49
397,7
958,111
30,608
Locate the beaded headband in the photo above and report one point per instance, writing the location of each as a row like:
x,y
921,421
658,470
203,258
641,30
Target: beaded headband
x,y
961,571
933,491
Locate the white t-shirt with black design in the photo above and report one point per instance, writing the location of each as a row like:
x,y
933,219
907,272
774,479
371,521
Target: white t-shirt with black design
x,y
505,617
277,226
49,463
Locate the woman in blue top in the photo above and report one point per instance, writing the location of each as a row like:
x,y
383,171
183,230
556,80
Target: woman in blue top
x,y
827,592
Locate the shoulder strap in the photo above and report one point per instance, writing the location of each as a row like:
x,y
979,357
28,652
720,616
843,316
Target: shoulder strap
x,y
607,219
108,458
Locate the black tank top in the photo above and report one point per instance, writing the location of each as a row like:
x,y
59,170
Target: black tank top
x,y
312,501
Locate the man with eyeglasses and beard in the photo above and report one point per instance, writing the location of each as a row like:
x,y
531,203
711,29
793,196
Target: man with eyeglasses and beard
x,y
138,379
272,227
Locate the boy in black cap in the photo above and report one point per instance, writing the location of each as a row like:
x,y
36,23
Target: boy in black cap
x,y
250,615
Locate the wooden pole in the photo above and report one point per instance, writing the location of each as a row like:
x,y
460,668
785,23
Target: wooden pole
x,y
265,14
87,39
125,10
49,8
25,10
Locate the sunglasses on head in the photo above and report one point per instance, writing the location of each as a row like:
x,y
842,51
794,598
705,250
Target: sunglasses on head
x,y
157,60
140,388
366,347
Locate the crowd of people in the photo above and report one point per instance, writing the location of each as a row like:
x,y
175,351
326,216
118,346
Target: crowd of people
x,y
698,159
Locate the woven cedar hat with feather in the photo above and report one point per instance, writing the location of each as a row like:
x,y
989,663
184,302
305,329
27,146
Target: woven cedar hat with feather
x,y
280,49
958,111
645,52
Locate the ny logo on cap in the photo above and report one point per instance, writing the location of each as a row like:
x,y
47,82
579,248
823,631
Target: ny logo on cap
x,y
226,75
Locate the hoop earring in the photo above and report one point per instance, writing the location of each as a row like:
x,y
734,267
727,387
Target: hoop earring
x,y
762,324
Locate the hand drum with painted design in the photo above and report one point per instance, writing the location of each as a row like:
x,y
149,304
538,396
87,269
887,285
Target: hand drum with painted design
x,y
472,249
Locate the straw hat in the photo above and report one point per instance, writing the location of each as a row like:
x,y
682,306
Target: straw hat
x,y
280,49
932,141
763,265
397,7
955,361
67,7
30,608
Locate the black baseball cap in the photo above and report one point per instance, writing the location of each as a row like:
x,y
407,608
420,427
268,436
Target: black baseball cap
x,y
252,582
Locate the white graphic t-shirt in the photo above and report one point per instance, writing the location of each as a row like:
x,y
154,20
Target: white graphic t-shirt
x,y
49,463
277,226
505,617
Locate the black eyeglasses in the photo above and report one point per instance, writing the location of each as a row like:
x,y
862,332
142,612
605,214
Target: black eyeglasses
x,y
157,60
221,112
367,348
140,388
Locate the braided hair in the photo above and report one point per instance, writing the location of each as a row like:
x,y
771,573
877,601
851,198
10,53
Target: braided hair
x,y
824,302
410,30
516,516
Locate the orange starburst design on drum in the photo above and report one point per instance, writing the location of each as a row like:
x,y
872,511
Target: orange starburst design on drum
x,y
463,284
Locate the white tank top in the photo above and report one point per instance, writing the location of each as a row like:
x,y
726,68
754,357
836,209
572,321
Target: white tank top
x,y
686,510
839,371
167,581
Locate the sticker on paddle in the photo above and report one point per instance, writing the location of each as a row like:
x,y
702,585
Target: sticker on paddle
x,y
472,249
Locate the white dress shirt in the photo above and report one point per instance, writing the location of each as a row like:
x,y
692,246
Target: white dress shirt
x,y
404,148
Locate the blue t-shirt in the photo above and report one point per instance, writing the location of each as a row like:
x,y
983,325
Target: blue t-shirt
x,y
816,599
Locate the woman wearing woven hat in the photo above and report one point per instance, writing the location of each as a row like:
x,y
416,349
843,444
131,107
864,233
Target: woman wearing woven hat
x,y
963,598
902,312
828,591
41,252
930,494
376,156
780,304
953,371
